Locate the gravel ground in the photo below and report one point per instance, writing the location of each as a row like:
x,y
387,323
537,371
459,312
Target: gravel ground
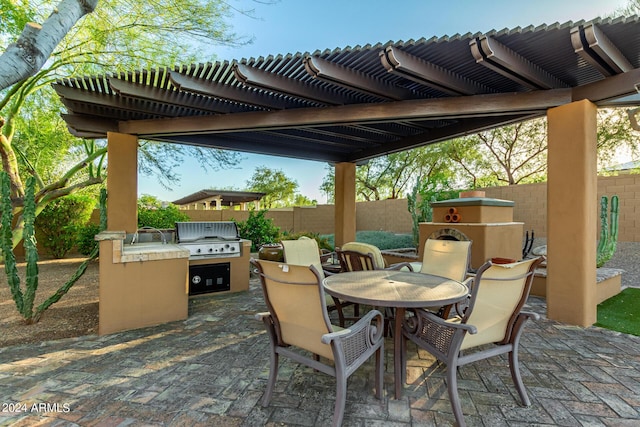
x,y
627,258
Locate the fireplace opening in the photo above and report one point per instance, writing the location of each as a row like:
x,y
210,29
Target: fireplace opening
x,y
449,234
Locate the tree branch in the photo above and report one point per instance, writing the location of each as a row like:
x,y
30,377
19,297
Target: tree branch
x,y
36,43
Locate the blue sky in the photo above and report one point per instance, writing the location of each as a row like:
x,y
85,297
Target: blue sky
x,y
289,26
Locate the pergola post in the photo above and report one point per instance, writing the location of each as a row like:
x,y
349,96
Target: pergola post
x,y
572,213
345,203
122,182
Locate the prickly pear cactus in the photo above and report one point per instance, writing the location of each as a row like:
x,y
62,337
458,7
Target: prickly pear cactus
x,y
608,230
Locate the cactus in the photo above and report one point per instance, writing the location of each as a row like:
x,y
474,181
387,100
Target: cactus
x,y
419,210
24,300
6,242
62,290
608,231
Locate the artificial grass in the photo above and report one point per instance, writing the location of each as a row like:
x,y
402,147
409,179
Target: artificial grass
x,y
621,312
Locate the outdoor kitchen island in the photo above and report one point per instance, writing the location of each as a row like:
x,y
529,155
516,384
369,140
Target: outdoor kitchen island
x,y
140,285
150,282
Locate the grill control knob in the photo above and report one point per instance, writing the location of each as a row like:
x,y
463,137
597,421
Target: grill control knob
x,y
210,249
198,250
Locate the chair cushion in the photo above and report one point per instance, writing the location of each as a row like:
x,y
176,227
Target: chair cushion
x,y
365,248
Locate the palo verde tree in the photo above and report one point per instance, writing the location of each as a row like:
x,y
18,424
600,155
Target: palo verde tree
x,y
44,40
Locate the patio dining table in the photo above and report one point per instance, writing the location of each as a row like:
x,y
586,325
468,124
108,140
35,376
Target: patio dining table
x,y
395,289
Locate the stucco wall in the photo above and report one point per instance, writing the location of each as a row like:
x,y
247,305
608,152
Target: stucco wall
x,y
531,204
392,215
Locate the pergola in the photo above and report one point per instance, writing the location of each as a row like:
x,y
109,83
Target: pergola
x,y
215,199
346,106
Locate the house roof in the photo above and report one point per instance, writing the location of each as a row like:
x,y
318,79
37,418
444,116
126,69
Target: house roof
x,y
228,197
356,103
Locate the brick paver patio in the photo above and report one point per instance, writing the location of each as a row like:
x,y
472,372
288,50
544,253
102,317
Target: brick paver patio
x,y
211,370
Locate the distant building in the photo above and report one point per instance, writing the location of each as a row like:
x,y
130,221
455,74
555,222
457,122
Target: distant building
x,y
622,168
216,199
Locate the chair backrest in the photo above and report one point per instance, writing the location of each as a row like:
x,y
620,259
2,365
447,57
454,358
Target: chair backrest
x,y
498,294
295,298
303,251
376,259
446,258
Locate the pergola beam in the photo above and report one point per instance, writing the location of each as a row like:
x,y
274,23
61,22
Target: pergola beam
x,y
595,47
422,109
492,54
254,77
327,71
425,73
462,128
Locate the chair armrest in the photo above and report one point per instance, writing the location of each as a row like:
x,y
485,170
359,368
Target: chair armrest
x,y
435,334
400,265
425,317
261,316
364,324
529,315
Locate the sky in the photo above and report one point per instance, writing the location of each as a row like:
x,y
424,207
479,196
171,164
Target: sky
x,y
290,26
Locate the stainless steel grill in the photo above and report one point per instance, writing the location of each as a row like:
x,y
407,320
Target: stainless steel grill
x,y
209,239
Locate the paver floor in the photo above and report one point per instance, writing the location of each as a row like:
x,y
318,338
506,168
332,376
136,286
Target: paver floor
x,y
211,370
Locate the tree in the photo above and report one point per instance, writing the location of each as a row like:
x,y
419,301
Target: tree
x,y
616,137
506,155
115,36
28,54
278,188
300,200
391,176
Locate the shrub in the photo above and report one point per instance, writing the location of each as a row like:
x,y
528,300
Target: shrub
x,y
160,217
86,238
323,241
59,223
258,229
382,239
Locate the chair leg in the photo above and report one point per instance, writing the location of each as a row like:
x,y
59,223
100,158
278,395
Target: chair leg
x,y
514,366
379,371
273,375
341,397
452,388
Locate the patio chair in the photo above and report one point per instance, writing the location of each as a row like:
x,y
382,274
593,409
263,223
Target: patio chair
x,y
356,256
298,320
493,316
445,258
305,252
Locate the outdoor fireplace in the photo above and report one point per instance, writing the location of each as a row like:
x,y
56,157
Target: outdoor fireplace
x,y
487,222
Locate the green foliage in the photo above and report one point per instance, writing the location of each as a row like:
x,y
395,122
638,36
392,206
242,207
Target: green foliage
x,y
61,220
608,231
160,217
323,241
258,229
81,268
382,239
279,189
419,202
86,238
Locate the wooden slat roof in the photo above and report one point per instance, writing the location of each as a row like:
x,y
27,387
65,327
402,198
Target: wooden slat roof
x,y
356,103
